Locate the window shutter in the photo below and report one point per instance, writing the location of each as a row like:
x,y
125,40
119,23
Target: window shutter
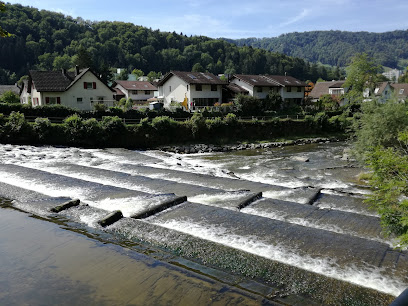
x,y
84,85
58,100
47,100
94,85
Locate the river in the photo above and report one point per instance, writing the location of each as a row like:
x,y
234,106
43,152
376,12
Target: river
x,y
293,218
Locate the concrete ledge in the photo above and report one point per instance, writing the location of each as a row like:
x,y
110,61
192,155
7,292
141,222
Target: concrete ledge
x,y
313,198
249,199
160,207
66,205
111,218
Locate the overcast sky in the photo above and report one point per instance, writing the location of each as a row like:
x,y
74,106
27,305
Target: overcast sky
x,y
238,18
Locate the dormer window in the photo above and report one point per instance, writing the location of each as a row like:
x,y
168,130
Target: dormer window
x,y
401,91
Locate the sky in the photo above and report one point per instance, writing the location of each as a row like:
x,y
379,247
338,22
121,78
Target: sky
x,y
238,18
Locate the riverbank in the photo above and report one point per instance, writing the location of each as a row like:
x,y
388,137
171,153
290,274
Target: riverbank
x,y
209,148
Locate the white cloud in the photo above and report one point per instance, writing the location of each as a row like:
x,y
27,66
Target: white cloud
x,y
302,15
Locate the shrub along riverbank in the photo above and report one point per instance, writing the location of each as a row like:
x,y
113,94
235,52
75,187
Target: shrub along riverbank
x,y
111,131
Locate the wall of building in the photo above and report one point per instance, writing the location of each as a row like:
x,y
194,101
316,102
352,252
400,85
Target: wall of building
x,y
177,92
140,96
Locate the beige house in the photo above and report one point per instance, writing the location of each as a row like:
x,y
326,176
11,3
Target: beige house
x,y
138,91
290,89
78,89
333,88
201,89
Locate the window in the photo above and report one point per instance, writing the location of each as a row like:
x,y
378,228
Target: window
x,y
134,92
401,91
79,100
147,92
187,87
199,87
288,89
214,88
259,89
89,85
52,100
35,101
169,88
100,99
299,89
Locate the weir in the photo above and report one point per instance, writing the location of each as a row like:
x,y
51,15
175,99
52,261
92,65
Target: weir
x,y
293,236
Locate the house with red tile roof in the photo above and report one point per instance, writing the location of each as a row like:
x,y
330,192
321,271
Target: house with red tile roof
x,y
201,89
80,89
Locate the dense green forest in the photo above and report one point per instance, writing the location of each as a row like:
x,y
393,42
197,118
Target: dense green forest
x,y
48,40
335,48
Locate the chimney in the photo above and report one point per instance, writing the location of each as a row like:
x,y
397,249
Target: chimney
x,y
76,70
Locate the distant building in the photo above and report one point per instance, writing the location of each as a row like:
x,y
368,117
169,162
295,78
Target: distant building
x,y
80,89
382,92
13,88
393,74
400,91
333,88
138,91
201,89
290,89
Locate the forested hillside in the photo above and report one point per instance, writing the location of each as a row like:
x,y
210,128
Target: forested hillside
x,y
335,48
48,40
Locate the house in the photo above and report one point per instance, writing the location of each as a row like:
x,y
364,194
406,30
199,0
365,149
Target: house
x,y
400,91
138,91
201,89
290,89
13,88
333,88
80,89
382,92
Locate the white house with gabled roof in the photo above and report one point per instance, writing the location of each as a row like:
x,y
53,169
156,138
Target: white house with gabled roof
x,y
201,89
79,89
289,88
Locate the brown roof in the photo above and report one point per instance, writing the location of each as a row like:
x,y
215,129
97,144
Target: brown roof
x,y
322,88
286,80
135,85
57,80
118,92
381,87
236,88
398,87
204,78
269,80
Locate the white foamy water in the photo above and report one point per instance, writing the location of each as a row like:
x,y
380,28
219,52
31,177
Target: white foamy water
x,y
218,198
369,277
128,205
300,221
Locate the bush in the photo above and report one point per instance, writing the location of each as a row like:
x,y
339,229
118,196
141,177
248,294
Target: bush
x,y
9,97
248,105
197,124
214,124
113,125
73,127
231,119
100,107
16,124
42,128
163,123
92,130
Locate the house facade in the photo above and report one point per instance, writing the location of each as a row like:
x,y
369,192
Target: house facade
x,y
382,92
400,91
333,88
290,89
138,91
79,89
201,89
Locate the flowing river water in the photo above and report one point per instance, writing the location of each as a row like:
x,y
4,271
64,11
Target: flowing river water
x,y
291,218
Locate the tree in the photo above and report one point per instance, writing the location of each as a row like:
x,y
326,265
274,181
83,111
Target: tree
x,y
248,105
197,68
152,75
3,33
361,74
62,62
9,97
328,103
83,59
273,102
123,75
138,73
